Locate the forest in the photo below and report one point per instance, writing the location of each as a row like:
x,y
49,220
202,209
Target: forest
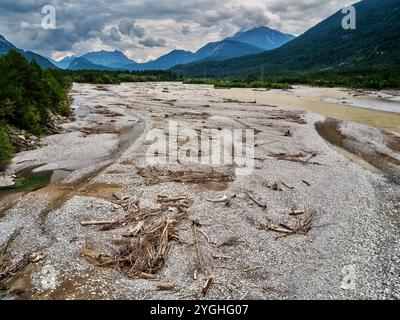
x,y
29,97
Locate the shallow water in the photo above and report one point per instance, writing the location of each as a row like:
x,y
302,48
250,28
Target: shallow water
x,y
28,180
314,100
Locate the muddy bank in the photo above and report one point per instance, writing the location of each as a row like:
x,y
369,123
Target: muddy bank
x,y
375,109
366,145
307,223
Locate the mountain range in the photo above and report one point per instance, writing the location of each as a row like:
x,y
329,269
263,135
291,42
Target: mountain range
x,y
241,44
375,43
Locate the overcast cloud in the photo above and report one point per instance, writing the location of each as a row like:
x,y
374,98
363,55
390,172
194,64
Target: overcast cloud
x,y
146,29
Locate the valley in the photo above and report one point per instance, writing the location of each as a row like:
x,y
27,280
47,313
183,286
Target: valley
x,y
306,203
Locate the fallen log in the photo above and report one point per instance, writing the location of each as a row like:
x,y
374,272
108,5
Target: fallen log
x,y
223,199
96,223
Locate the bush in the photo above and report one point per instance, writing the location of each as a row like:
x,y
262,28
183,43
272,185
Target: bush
x,y
6,149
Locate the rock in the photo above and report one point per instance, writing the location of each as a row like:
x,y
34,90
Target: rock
x,y
49,277
7,180
22,137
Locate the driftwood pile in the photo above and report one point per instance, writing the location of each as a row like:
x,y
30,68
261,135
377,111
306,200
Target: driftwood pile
x,y
301,227
148,237
155,175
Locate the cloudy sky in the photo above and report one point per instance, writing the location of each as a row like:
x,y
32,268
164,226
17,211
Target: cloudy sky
x,y
147,29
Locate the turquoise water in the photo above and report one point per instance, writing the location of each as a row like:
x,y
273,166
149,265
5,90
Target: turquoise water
x,y
27,180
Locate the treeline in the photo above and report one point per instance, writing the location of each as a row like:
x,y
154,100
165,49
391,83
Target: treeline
x,y
358,78
29,96
117,77
240,83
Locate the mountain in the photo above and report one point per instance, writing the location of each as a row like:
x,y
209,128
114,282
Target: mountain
x,y
6,46
65,62
165,62
172,59
112,59
220,50
225,49
83,64
42,61
263,37
241,44
374,44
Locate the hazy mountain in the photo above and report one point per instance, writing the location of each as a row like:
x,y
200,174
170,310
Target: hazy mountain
x,y
65,62
375,43
225,49
164,62
172,59
220,50
263,37
83,64
112,59
6,46
242,44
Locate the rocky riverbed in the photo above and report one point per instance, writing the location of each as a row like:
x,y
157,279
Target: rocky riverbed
x,y
317,217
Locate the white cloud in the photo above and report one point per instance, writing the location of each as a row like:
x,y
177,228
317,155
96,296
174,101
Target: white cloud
x,y
145,29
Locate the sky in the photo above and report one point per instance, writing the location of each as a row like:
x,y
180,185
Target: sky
x,y
147,29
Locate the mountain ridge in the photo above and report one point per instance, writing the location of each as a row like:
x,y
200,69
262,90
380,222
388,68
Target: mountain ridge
x,y
324,46
219,50
6,46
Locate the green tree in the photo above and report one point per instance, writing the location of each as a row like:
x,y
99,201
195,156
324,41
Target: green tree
x,y
6,149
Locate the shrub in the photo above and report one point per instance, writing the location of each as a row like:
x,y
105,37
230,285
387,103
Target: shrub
x,y
6,149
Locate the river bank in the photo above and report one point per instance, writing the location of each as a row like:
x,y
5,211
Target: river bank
x,y
376,109
308,222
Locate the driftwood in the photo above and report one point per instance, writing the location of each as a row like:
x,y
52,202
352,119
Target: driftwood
x,y
302,226
95,222
133,232
164,286
287,186
265,143
252,268
223,199
306,183
198,254
230,242
296,158
207,285
9,269
152,234
263,206
221,257
296,212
